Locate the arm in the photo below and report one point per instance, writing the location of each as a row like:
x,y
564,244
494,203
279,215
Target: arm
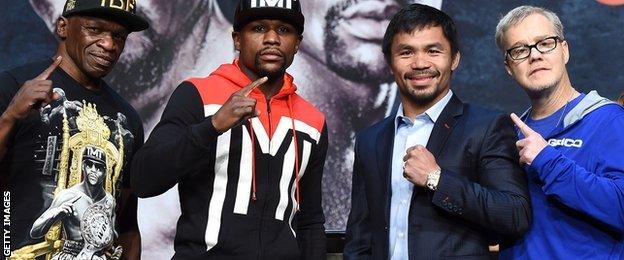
x,y
33,94
597,192
180,139
184,136
358,234
129,238
60,208
310,229
499,201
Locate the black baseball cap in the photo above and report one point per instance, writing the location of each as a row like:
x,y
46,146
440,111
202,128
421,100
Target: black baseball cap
x,y
123,11
285,10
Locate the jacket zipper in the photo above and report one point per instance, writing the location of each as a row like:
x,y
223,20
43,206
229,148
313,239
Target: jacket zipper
x,y
266,191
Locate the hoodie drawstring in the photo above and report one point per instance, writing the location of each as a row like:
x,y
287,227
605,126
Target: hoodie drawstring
x,y
253,154
294,133
253,161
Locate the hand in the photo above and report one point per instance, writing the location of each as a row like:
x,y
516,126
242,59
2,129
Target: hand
x,y
34,94
418,162
66,209
532,144
237,108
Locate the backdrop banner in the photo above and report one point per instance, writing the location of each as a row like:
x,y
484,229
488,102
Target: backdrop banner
x,y
339,68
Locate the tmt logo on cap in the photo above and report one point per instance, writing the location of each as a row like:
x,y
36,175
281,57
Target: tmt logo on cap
x,y
271,3
94,153
285,10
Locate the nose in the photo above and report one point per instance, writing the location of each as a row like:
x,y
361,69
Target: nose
x,y
271,37
534,54
107,42
420,62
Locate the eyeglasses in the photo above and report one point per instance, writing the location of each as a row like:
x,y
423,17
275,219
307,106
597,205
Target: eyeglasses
x,y
543,46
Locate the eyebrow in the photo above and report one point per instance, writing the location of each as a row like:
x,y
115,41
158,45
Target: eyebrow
x,y
428,46
535,39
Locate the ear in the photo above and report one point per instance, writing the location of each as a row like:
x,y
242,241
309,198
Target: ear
x,y
299,39
566,51
236,38
456,59
507,68
61,27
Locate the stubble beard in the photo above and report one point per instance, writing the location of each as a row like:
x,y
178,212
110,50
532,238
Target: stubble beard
x,y
272,75
340,61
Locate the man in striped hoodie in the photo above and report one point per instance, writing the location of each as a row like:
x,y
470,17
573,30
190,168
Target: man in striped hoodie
x,y
247,156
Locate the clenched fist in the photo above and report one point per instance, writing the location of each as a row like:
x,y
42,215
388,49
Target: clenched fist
x,y
418,162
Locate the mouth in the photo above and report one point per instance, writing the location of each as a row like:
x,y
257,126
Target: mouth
x,y
421,79
271,55
537,70
368,20
101,60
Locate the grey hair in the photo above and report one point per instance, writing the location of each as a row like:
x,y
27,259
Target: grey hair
x,y
518,14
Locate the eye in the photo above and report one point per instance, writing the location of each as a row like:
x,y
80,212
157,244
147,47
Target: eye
x,y
92,29
283,29
120,36
434,51
406,53
519,51
547,44
259,28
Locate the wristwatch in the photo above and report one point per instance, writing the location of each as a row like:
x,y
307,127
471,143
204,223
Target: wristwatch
x,y
433,178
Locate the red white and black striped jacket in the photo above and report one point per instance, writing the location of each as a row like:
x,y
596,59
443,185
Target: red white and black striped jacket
x,y
217,174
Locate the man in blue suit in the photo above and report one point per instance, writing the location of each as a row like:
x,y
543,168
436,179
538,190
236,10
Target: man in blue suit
x,y
440,178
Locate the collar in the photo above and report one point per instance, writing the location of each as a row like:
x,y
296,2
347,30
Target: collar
x,y
433,113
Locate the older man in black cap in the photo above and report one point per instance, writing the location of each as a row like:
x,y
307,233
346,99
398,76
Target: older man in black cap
x,y
35,146
246,151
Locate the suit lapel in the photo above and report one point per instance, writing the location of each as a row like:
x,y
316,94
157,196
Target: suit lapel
x,y
444,125
384,146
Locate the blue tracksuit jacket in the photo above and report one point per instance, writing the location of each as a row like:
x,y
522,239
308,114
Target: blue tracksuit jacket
x,y
577,188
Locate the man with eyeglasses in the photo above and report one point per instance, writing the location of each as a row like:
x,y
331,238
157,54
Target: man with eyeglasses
x,y
571,145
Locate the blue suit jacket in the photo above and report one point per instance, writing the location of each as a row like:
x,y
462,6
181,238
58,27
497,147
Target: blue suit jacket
x,y
482,195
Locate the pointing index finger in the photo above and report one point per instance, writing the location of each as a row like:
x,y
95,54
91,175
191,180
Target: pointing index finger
x,y
526,130
246,90
46,73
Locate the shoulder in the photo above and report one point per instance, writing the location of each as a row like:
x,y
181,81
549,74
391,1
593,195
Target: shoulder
x,y
372,131
611,113
28,71
308,113
68,194
127,109
13,78
479,114
478,120
213,89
